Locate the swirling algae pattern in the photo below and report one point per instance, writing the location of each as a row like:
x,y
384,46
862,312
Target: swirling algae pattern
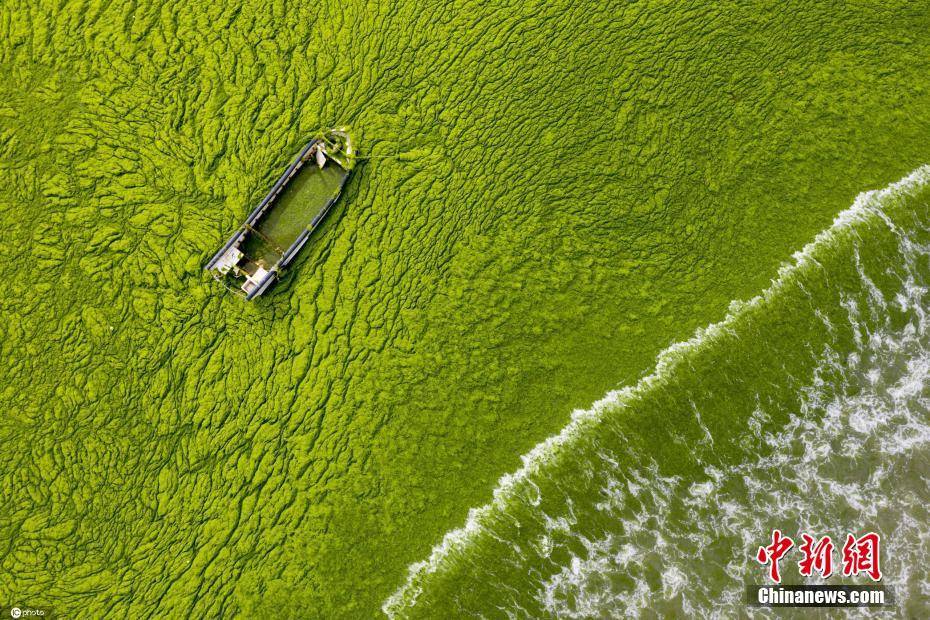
x,y
555,191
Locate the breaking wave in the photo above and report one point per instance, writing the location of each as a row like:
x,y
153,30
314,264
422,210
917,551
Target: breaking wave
x,y
807,409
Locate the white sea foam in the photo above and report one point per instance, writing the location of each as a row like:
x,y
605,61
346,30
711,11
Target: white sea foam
x,y
850,459
730,513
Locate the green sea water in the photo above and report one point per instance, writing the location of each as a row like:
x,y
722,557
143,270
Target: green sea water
x,y
807,409
558,192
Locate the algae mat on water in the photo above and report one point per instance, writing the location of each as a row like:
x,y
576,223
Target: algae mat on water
x,y
575,186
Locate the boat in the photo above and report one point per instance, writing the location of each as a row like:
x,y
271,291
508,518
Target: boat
x,y
277,229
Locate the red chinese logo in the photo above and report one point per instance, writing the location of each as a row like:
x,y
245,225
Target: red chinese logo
x,y
773,553
817,557
860,555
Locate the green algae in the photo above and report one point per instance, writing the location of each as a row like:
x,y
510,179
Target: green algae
x,y
574,189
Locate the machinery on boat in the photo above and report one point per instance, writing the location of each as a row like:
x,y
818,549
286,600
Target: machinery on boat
x,y
277,229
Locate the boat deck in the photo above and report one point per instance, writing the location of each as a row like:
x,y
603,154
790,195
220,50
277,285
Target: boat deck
x,y
304,198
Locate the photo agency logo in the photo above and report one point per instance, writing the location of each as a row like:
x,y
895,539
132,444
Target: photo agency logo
x,y
859,557
27,612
